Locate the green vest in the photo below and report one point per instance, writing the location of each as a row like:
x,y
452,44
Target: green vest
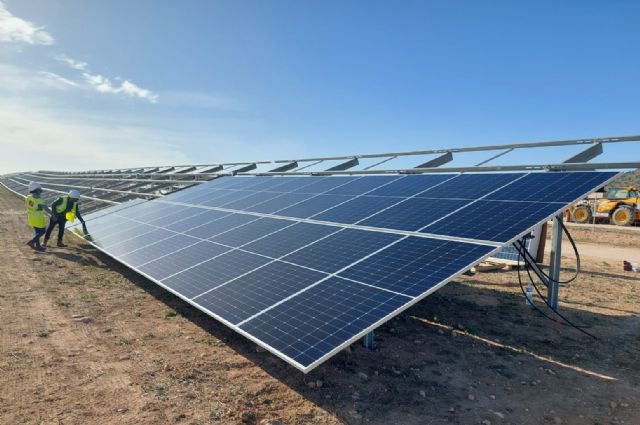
x,y
35,213
71,215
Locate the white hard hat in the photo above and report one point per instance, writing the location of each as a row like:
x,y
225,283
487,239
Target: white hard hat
x,y
33,186
74,194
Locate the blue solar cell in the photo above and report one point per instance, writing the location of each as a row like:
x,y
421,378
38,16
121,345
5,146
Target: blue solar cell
x,y
172,214
247,295
356,209
552,186
157,249
362,185
182,259
414,265
340,249
289,239
469,186
294,183
188,223
250,231
124,232
321,319
270,184
325,184
218,226
212,273
278,203
250,200
497,221
130,243
232,195
411,185
414,213
312,206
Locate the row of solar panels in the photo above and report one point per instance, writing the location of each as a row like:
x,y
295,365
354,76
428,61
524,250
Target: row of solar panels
x,y
306,265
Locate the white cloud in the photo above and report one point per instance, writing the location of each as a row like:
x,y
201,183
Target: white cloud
x,y
34,137
17,30
103,85
80,66
55,78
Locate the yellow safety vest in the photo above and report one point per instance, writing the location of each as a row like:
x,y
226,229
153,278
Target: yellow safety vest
x,y
35,213
70,215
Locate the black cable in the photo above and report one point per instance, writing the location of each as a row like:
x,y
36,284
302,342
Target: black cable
x,y
519,246
548,278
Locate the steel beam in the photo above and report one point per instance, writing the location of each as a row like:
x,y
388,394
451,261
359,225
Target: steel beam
x,y
345,165
436,162
554,263
245,169
286,167
587,154
369,341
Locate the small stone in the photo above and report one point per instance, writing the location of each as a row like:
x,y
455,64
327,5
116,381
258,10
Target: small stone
x,y
363,376
418,341
77,316
260,349
271,422
24,335
311,384
460,326
319,383
124,358
486,422
471,397
550,372
625,405
451,410
453,334
423,393
613,404
122,410
557,420
498,414
85,320
492,396
440,332
392,330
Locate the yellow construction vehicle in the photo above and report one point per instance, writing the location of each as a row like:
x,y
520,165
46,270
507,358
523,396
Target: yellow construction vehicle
x,y
620,206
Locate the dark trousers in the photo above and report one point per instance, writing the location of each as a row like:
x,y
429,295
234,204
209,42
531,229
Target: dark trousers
x,y
39,231
59,221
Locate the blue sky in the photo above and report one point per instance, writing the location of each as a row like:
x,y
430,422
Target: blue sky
x,y
107,84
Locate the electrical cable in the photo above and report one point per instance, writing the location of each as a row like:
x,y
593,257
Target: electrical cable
x,y
548,278
522,251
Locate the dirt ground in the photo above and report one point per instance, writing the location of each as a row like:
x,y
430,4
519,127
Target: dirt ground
x,y
84,340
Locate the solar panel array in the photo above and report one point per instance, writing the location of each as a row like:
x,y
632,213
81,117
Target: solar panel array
x,y
306,265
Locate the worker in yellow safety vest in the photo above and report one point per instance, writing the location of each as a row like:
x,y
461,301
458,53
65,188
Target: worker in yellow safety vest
x,y
35,214
64,209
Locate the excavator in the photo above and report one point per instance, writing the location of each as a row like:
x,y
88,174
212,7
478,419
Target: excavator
x,y
620,206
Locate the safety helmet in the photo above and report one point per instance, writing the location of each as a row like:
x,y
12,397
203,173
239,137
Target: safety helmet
x,y
33,186
74,194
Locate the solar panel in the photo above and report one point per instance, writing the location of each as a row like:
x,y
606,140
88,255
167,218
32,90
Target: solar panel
x,y
306,265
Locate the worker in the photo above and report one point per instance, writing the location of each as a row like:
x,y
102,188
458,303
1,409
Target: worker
x,y
64,209
35,214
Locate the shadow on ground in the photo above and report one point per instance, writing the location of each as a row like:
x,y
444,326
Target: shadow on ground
x,y
465,354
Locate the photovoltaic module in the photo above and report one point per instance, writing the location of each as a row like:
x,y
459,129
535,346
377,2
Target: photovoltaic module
x,y
306,265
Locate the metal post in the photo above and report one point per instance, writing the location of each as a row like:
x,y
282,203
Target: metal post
x,y
554,262
368,341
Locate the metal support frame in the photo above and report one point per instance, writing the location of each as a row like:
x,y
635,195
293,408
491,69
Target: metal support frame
x,y
368,341
438,161
587,154
345,165
554,263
